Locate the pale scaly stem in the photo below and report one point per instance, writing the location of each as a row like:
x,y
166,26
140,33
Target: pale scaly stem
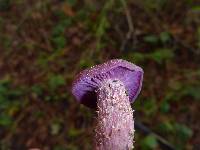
x,y
115,124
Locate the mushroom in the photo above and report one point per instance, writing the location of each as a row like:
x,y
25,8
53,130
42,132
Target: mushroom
x,y
110,88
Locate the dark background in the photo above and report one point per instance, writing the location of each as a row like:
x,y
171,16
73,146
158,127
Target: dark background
x,y
45,43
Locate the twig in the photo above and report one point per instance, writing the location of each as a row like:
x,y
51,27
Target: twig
x,y
130,32
46,39
185,45
163,143
14,125
156,21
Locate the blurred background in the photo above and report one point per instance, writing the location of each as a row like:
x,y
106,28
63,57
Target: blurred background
x,y
45,43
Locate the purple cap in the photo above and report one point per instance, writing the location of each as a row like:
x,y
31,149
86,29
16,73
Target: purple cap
x,y
89,80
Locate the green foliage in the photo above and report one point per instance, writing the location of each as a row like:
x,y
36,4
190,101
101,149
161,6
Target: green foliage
x,y
192,91
72,147
59,42
58,32
4,4
165,106
159,56
150,106
83,16
102,24
49,90
38,114
8,103
74,133
182,90
153,39
190,2
59,147
183,132
166,127
178,133
85,63
7,95
37,89
6,42
196,8
71,2
55,81
55,127
165,37
138,57
154,4
149,143
5,120
60,27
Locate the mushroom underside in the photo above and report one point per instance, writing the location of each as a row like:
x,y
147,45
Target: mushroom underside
x,y
131,79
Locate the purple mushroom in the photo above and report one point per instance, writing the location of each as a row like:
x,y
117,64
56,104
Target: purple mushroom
x,y
110,88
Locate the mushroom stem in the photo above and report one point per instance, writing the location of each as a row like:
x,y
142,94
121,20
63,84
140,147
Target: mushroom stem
x,y
115,124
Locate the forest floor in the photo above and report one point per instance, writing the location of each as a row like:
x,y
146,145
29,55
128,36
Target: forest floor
x,y
44,44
